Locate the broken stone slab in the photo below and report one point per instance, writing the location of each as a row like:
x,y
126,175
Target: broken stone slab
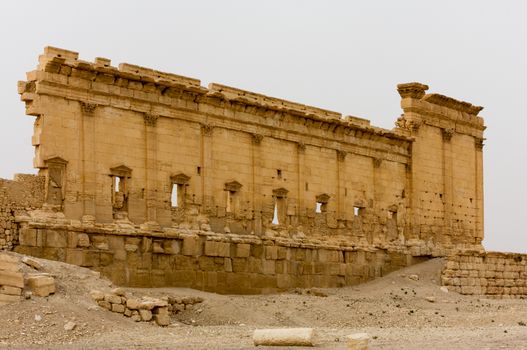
x,y
358,341
32,263
41,285
284,337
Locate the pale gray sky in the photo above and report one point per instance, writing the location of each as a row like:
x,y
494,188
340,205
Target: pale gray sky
x,y
346,56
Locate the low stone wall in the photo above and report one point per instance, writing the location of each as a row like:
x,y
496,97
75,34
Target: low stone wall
x,y
223,263
16,196
500,275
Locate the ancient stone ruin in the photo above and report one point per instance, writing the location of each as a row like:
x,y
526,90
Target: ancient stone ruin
x,y
154,180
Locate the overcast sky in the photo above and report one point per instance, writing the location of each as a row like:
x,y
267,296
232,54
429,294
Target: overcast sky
x,y
346,56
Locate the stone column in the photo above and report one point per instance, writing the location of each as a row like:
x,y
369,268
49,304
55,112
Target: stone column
x,y
448,189
206,168
341,186
301,161
479,191
89,176
151,167
257,182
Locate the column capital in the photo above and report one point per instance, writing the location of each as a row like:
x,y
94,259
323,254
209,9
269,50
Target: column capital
x,y
87,108
150,119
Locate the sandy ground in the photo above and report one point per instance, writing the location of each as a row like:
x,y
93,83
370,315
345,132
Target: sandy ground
x,y
393,310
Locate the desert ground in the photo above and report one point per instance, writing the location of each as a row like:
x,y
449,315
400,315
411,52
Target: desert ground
x,y
398,311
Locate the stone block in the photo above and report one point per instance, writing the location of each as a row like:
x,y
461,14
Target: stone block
x,y
191,246
118,308
12,279
56,239
146,315
41,285
5,298
28,237
10,290
243,250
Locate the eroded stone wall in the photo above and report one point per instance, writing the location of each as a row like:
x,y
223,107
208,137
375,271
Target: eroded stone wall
x,y
24,193
500,275
224,263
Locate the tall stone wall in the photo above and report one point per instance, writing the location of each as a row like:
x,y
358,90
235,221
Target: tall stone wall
x,y
155,180
17,196
493,274
157,149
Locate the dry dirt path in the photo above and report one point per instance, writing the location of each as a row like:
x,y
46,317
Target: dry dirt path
x,y
394,310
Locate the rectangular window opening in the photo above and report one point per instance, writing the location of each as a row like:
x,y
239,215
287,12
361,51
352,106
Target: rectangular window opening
x,y
318,208
276,221
177,195
279,173
357,211
198,170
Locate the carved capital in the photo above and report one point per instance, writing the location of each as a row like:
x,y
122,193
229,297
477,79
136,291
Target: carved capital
x,y
257,138
479,143
412,125
150,119
341,155
206,129
301,147
412,90
447,134
377,162
88,109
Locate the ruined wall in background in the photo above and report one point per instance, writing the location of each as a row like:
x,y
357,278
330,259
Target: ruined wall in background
x,y
493,274
24,193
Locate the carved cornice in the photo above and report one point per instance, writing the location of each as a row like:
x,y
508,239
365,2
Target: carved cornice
x,y
180,179
280,192
257,138
323,198
341,155
206,129
233,186
150,119
88,109
447,134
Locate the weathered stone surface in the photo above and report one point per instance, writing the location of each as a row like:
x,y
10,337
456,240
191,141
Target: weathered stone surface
x,y
358,341
11,278
284,337
146,315
41,285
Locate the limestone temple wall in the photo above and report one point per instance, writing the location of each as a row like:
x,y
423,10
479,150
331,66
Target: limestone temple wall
x,y
147,156
24,193
500,275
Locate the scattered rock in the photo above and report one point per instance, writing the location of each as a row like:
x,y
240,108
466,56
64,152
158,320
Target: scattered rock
x,y
414,277
444,289
431,299
69,326
38,318
358,341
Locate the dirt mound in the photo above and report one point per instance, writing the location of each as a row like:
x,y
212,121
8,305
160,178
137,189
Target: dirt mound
x,y
406,309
